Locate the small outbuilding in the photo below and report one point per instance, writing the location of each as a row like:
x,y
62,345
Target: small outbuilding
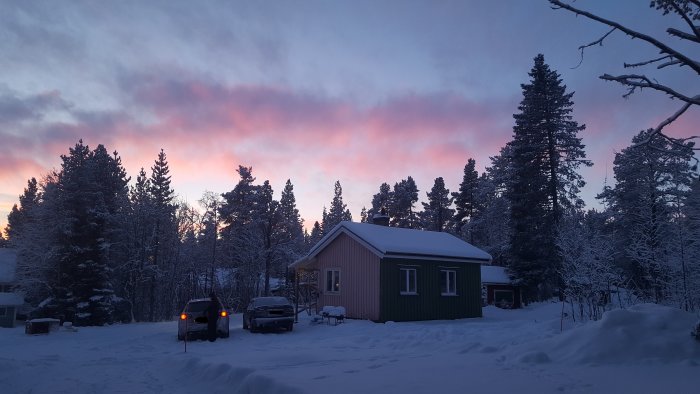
x,y
383,273
10,302
498,289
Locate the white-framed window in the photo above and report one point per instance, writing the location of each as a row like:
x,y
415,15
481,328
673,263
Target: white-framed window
x,y
448,282
408,280
332,280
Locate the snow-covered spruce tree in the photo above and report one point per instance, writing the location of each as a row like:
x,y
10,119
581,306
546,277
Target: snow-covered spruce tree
x,y
489,228
437,212
648,178
465,199
88,188
382,200
207,244
20,215
587,270
112,181
363,215
338,211
32,232
690,271
545,155
268,221
291,227
163,243
133,276
315,236
402,211
241,242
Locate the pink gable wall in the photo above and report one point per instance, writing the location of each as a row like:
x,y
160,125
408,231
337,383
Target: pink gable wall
x,y
359,278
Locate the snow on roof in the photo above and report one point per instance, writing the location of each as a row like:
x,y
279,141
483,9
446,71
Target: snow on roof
x,y
494,274
8,264
402,242
11,299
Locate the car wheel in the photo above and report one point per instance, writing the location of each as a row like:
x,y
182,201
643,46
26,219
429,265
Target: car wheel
x,y
245,324
253,326
290,326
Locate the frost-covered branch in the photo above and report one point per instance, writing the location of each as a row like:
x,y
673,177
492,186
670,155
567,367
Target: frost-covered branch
x,y
632,33
681,142
688,11
635,81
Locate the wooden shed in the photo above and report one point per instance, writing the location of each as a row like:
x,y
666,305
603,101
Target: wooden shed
x,y
10,302
385,273
498,289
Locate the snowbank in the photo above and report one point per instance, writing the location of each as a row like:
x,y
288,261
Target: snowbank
x,y
645,349
237,380
642,334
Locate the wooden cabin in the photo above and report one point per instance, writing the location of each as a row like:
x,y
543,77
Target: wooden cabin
x,y
383,273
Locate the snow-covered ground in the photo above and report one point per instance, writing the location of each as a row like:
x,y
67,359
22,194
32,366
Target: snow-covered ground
x,y
644,349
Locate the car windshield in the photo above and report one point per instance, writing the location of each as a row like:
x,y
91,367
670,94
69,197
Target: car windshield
x,y
197,306
267,301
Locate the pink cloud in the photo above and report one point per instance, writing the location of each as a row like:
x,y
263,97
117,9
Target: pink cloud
x,y
207,130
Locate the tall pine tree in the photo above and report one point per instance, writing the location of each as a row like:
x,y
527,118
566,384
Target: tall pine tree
x,y
465,198
381,200
437,212
545,154
22,214
338,211
402,208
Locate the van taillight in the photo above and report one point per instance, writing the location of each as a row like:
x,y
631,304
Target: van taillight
x,y
224,314
183,317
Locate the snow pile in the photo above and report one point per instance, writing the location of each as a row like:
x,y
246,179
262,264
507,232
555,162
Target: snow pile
x,y
224,378
646,334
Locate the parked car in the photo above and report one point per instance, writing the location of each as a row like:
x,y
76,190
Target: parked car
x,y
272,312
193,320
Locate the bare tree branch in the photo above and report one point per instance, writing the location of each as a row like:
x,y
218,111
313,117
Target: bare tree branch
x,y
669,57
596,42
689,22
642,81
682,34
632,33
671,63
659,130
632,65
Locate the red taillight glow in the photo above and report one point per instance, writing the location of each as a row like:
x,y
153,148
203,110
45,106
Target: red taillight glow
x,y
183,317
224,314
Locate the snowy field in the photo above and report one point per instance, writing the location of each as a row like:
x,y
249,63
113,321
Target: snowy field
x,y
644,349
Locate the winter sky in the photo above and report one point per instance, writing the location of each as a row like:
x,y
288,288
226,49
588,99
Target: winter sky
x,y
363,92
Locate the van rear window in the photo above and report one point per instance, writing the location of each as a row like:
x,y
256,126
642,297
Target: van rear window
x,y
199,306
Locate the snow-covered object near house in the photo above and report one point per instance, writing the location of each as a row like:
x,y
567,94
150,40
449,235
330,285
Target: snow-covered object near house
x,y
494,274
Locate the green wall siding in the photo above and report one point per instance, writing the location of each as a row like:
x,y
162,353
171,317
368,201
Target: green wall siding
x,y
429,303
8,319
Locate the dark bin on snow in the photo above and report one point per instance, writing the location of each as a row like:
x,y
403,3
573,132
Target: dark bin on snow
x,y
41,326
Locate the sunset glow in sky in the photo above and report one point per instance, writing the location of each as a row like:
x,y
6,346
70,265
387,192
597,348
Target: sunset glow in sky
x,y
313,91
